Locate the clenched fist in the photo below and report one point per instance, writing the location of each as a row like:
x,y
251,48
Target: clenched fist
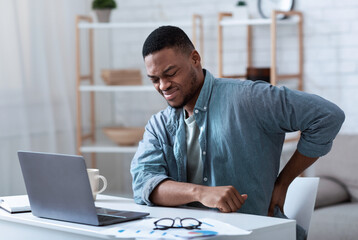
x,y
225,198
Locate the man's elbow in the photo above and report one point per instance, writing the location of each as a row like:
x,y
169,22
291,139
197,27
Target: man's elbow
x,y
342,116
339,117
138,200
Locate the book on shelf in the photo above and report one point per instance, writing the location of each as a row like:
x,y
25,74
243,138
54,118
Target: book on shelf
x,y
15,204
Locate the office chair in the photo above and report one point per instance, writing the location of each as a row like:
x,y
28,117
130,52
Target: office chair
x,y
300,200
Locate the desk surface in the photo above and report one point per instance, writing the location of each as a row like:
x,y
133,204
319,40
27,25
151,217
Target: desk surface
x,y
261,227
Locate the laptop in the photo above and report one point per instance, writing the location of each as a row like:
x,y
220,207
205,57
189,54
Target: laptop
x,y
58,188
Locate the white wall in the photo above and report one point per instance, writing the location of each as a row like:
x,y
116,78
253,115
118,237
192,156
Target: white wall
x,y
330,55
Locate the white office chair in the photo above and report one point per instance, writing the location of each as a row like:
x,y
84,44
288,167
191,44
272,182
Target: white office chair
x,y
300,200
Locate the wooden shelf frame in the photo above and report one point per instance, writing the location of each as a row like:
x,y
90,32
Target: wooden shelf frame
x,y
86,23
80,137
273,22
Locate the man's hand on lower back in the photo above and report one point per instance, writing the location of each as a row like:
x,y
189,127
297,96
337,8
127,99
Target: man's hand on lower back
x,y
278,198
295,166
225,198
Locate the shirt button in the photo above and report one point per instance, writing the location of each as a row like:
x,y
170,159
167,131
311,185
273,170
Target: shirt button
x,y
205,179
196,111
204,153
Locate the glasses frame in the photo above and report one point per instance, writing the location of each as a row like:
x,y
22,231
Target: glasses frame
x,y
161,227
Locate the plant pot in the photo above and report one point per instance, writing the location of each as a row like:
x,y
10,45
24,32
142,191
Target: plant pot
x,y
103,15
240,12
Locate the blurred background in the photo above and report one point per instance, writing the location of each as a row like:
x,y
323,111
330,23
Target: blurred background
x,y
38,71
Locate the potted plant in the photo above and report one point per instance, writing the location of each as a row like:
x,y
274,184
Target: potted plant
x,y
241,3
241,10
103,9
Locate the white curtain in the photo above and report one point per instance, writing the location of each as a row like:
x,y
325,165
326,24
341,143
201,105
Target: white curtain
x,y
37,82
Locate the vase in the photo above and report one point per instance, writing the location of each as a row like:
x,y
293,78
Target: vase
x,y
103,15
240,12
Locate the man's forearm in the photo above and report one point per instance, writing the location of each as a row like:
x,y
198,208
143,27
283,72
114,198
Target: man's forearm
x,y
172,193
295,166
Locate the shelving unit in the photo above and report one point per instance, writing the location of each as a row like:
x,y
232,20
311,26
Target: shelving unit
x,y
273,23
93,142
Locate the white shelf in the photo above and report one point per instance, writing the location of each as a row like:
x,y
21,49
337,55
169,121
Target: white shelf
x,y
104,145
132,25
258,21
104,88
96,148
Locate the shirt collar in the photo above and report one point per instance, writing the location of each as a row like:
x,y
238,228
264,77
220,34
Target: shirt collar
x,y
205,93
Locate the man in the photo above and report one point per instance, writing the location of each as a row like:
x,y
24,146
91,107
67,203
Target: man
x,y
219,141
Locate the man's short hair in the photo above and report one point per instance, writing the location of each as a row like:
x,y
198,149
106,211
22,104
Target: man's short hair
x,y
167,37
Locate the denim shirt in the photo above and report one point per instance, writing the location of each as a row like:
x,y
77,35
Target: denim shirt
x,y
242,130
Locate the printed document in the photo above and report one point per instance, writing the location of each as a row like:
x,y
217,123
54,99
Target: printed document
x,y
144,229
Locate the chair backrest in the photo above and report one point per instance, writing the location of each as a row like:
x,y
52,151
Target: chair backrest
x,y
300,200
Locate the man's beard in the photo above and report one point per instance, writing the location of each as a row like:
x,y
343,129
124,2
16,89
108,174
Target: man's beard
x,y
193,90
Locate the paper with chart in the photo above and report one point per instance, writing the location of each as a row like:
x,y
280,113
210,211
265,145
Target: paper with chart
x,y
144,229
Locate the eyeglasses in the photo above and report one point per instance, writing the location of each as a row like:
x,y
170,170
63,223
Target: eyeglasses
x,y
187,223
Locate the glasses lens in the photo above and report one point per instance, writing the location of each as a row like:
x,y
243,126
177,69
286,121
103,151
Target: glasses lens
x,y
190,223
164,223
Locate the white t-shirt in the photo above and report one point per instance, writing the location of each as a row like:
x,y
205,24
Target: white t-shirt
x,y
194,164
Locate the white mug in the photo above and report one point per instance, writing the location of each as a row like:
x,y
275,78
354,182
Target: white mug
x,y
93,175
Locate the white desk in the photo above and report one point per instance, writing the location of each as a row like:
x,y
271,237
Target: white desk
x,y
26,226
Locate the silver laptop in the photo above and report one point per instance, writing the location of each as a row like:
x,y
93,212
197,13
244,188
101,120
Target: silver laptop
x,y
58,188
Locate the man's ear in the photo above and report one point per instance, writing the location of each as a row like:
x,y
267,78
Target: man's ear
x,y
195,57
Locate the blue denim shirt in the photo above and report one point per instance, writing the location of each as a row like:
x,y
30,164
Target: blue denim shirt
x,y
242,129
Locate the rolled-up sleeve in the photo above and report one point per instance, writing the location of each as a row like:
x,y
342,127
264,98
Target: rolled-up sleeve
x,y
148,167
279,109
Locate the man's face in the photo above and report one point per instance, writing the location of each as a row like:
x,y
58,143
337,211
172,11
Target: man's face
x,y
173,75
